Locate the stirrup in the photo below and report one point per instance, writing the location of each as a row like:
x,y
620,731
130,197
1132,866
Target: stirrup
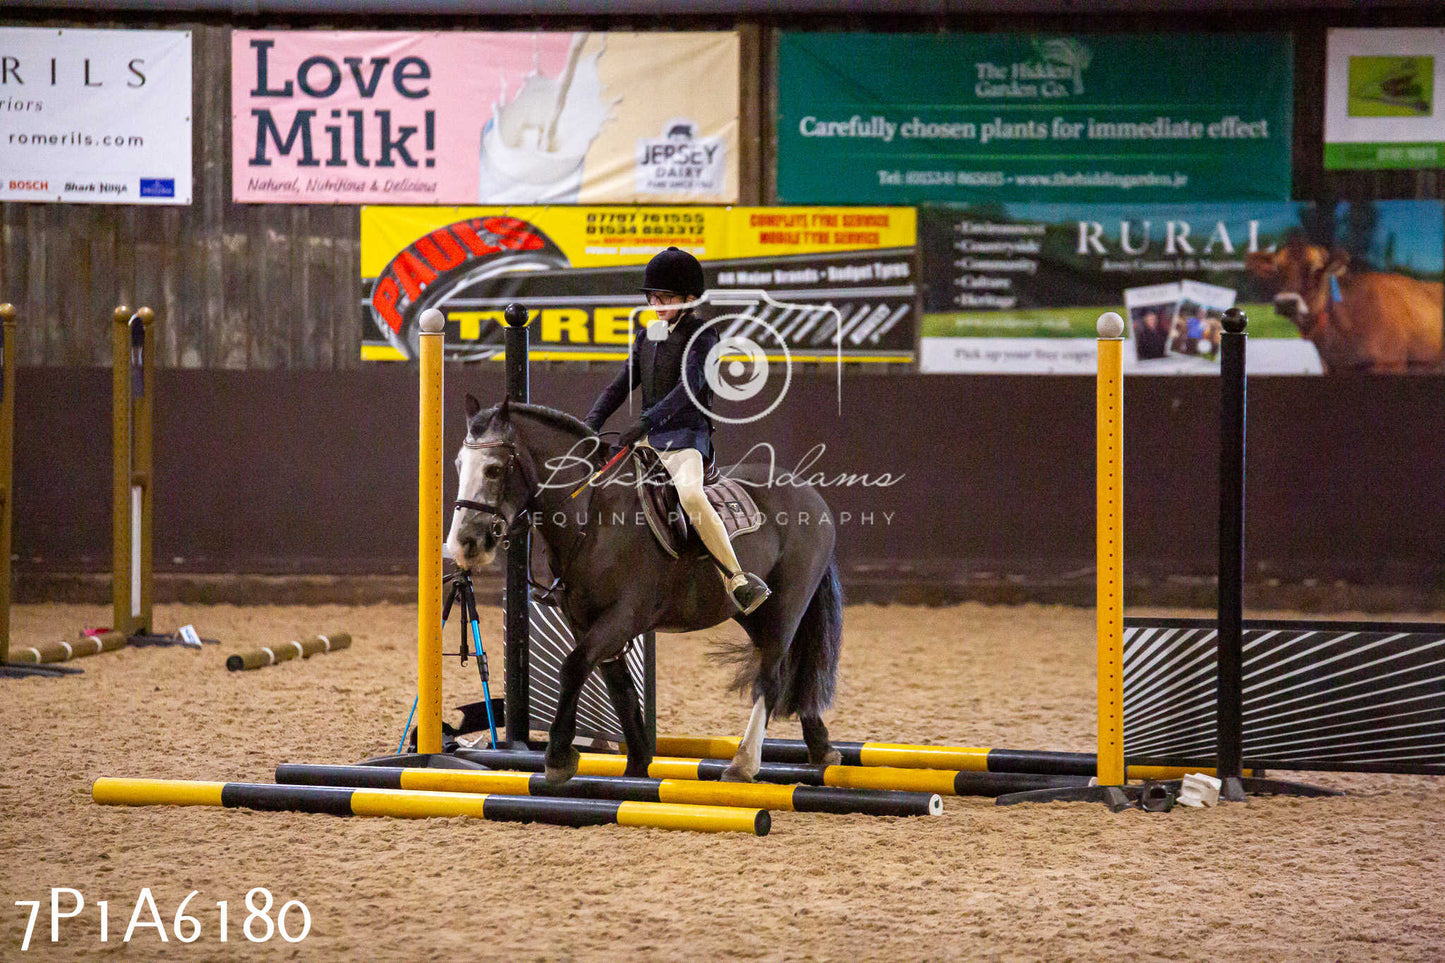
x,y
752,593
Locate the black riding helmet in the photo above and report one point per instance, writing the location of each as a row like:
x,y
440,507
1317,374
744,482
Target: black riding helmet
x,y
674,271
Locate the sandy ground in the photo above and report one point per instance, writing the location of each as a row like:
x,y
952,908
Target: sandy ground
x,y
1358,877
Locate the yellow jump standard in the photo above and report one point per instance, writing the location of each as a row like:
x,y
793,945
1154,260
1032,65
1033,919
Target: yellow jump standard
x,y
410,804
817,799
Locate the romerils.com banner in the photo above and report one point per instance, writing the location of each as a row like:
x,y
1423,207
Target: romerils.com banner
x,y
95,116
905,118
1385,98
819,284
492,118
1018,288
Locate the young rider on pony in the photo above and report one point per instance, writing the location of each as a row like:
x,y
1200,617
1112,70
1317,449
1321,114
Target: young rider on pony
x,y
672,423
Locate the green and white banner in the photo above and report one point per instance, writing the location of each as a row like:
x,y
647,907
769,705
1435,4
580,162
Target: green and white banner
x,y
1385,99
1018,288
905,118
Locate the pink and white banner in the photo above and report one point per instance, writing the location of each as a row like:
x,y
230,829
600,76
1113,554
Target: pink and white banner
x,y
492,118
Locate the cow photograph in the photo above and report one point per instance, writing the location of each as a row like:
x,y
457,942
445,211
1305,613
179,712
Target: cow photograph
x,y
1357,298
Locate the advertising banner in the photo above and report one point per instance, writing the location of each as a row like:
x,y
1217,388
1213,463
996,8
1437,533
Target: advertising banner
x,y
1018,288
1385,98
95,116
491,118
813,284
903,118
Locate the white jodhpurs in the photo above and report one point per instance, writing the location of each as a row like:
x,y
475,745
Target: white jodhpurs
x,y
685,467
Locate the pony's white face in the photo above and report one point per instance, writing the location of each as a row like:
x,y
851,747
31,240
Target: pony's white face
x,y
483,465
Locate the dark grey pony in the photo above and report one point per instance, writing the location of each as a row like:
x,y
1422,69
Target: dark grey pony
x,y
521,463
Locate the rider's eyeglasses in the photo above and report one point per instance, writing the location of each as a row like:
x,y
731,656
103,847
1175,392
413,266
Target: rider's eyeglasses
x,y
664,297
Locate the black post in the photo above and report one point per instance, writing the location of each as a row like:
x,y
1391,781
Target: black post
x,y
517,619
649,689
1232,404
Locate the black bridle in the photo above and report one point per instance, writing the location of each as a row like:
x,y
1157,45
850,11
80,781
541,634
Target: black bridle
x,y
502,527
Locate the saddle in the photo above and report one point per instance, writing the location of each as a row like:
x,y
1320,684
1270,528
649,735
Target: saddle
x,y
664,514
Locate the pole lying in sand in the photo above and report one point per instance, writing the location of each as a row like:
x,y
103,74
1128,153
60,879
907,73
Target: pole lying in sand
x,y
337,801
65,651
270,655
803,799
905,756
943,782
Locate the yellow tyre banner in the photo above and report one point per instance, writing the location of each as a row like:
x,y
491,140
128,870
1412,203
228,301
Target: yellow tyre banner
x,y
821,284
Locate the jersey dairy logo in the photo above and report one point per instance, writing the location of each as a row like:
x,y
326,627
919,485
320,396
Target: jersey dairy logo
x,y
679,161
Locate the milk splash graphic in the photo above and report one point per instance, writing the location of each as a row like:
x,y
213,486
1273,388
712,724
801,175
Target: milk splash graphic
x,y
533,148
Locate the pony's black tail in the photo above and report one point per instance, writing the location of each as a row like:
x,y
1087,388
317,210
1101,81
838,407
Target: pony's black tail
x,y
811,675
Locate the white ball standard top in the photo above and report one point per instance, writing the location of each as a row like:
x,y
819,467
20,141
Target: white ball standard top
x,y
1111,325
433,321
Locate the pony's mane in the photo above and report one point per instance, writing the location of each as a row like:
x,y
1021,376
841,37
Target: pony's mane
x,y
551,417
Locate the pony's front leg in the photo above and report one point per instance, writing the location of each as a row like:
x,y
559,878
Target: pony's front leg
x,y
624,702
598,643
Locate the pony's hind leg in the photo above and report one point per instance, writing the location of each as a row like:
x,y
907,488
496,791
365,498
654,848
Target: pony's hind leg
x,y
820,750
749,757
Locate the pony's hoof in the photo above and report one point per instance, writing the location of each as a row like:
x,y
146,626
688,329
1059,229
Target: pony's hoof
x,y
736,773
830,758
566,769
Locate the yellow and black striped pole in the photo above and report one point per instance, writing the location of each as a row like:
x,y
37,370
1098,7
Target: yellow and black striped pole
x,y
1109,490
132,411
429,538
941,781
804,799
413,804
909,756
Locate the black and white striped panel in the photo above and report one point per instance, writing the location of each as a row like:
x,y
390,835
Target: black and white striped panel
x,y
551,640
1352,696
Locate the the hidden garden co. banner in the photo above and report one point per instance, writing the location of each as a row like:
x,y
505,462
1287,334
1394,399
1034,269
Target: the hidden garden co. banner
x,y
1385,98
494,118
819,284
1018,288
903,118
95,116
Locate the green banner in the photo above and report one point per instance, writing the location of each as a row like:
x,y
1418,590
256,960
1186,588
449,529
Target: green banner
x,y
905,118
1384,107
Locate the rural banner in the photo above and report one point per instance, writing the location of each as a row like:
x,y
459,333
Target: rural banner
x,y
492,118
1385,98
903,118
1018,288
95,116
811,284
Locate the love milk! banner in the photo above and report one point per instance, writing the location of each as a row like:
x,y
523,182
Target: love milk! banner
x,y
1385,98
1018,288
95,116
811,284
907,118
498,118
